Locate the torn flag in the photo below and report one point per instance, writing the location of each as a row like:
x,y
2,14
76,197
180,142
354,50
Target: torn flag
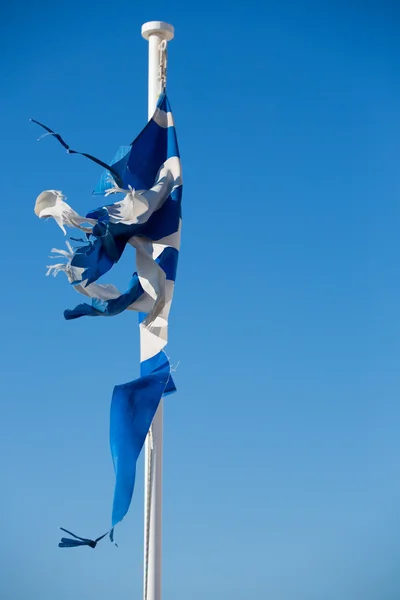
x,y
147,217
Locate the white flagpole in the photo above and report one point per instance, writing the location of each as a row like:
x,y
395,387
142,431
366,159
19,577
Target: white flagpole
x,y
155,32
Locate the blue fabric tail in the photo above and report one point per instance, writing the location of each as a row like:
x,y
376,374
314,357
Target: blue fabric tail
x,y
133,408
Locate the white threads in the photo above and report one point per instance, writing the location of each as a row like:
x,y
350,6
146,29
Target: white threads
x,y
116,190
67,254
171,368
174,369
44,135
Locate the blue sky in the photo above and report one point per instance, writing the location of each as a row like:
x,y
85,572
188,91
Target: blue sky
x,y
282,453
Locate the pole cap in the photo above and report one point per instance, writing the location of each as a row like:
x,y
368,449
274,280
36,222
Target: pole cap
x,y
163,30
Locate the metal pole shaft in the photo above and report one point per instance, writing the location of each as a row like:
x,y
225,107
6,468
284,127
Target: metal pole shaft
x,y
155,32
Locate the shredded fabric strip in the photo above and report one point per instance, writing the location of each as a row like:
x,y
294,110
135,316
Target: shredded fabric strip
x,y
147,177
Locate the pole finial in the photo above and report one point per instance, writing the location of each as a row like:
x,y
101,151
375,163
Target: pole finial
x,y
160,28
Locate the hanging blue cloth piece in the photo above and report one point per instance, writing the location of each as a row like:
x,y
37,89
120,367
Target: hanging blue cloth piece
x,y
133,407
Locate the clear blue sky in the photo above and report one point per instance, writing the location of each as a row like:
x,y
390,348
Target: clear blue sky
x,y
282,451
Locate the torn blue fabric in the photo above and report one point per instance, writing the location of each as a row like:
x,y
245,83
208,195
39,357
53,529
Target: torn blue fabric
x,y
133,408
58,137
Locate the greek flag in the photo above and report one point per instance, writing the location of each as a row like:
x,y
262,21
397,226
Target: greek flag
x,y
147,217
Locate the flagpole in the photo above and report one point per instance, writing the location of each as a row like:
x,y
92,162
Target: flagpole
x,y
155,32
